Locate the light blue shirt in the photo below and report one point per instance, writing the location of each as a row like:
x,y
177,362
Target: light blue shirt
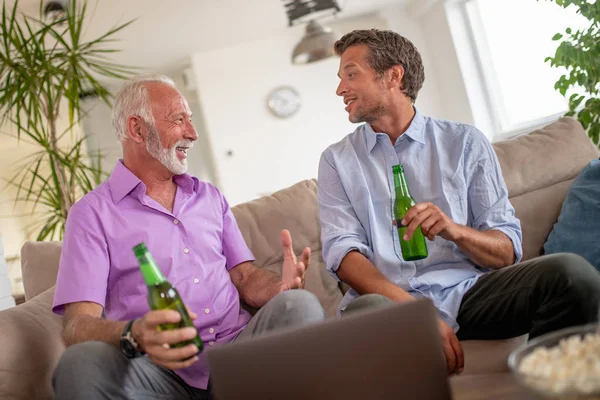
x,y
450,164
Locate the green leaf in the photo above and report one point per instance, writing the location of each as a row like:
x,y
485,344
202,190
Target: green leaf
x,y
579,54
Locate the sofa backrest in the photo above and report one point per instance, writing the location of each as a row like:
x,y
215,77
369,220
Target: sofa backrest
x,y
39,266
538,169
295,209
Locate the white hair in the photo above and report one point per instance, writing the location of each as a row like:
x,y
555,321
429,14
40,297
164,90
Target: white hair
x,y
132,99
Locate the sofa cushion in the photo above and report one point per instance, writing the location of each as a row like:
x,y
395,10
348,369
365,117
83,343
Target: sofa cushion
x,y
537,210
30,336
296,209
39,266
537,169
578,226
553,154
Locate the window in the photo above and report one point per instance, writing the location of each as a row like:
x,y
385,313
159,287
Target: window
x,y
511,39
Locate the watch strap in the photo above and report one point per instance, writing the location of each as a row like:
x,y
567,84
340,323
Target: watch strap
x,y
127,328
127,336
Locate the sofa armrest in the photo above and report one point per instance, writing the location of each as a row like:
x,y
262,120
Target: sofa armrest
x,y
30,347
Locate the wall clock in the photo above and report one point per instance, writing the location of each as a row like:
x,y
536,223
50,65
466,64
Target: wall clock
x,y
284,101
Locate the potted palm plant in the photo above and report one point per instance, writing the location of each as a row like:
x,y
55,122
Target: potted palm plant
x,y
45,69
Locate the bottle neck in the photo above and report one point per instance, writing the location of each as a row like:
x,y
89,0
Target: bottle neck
x,y
150,271
400,184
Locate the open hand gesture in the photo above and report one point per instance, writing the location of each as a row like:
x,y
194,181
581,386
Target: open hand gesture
x,y
293,271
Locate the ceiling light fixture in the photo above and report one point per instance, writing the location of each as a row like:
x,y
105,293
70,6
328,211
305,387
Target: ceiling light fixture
x,y
55,10
317,43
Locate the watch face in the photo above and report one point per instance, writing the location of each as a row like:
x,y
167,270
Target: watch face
x,y
284,101
127,348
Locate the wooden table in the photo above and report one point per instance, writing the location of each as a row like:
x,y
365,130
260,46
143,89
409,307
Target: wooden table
x,y
503,386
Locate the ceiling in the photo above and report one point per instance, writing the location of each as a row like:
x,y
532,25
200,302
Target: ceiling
x,y
167,32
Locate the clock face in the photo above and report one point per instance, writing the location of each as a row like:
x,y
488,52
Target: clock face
x,y
284,101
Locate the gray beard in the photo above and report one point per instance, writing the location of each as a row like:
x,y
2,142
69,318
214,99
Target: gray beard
x,y
167,157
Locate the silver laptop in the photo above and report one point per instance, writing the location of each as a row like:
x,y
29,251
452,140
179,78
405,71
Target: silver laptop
x,y
389,353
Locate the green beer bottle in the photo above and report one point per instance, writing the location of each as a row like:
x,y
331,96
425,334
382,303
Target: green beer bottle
x,y
162,295
415,248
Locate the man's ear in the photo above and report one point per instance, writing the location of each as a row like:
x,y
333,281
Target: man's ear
x,y
136,129
395,75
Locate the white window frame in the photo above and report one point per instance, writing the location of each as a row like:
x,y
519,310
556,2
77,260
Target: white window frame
x,y
488,109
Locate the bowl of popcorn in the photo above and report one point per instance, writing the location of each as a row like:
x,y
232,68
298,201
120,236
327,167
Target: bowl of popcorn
x,y
564,364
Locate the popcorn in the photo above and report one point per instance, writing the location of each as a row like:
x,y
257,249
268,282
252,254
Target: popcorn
x,y
573,366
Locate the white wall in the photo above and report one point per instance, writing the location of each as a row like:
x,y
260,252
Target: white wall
x,y
451,61
14,217
268,153
13,220
429,101
444,65
96,125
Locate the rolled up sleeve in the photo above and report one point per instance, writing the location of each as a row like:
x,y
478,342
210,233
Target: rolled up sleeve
x,y
489,206
341,230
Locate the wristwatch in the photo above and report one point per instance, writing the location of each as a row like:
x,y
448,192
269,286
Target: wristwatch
x,y
129,346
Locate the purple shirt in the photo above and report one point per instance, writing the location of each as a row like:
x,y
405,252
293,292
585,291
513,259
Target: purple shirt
x,y
195,247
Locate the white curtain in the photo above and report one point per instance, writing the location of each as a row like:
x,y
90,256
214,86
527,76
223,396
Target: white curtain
x,y
6,299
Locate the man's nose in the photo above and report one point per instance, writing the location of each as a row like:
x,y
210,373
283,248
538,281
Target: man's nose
x,y
191,133
341,89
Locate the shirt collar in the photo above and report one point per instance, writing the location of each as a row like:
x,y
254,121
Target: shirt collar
x,y
123,182
187,182
414,131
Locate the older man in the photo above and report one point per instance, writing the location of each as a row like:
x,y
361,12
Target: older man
x,y
192,233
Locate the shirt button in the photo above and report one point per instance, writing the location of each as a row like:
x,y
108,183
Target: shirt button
x,y
211,330
392,158
206,311
186,250
211,343
196,280
175,221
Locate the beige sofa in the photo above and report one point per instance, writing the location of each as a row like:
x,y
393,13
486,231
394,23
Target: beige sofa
x,y
538,169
